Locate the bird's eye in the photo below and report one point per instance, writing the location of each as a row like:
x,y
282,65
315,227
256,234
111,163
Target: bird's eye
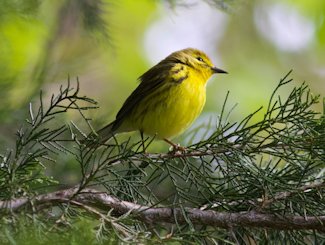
x,y
199,59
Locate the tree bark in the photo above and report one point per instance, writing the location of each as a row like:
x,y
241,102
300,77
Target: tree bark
x,y
91,199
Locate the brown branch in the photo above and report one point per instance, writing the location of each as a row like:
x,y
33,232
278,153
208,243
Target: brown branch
x,y
212,151
103,202
178,154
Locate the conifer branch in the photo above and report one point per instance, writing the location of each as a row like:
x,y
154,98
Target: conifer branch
x,y
99,203
263,174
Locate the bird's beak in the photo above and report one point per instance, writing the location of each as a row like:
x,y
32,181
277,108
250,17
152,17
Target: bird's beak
x,y
217,70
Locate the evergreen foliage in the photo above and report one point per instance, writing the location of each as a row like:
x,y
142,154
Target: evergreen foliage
x,y
248,182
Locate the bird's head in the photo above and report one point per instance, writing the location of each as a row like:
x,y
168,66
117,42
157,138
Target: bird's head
x,y
196,60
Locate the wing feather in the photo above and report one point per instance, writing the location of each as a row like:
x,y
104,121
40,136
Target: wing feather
x,y
149,82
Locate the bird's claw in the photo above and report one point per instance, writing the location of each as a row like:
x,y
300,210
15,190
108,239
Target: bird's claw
x,y
176,149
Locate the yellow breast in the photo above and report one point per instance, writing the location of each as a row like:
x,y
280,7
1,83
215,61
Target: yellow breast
x,y
173,107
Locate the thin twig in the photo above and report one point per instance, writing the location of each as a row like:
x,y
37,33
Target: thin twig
x,y
285,194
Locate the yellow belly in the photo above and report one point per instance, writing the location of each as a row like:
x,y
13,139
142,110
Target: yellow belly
x,y
170,111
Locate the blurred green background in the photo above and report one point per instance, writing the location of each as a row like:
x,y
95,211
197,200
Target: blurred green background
x,y
108,44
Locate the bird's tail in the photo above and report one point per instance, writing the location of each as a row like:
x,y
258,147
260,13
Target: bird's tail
x,y
106,133
100,137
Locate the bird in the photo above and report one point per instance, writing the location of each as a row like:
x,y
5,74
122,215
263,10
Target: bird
x,y
168,98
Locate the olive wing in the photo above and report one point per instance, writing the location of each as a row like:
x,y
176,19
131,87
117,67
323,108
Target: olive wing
x,y
149,82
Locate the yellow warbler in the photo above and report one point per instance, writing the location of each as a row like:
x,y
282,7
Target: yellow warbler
x,y
168,99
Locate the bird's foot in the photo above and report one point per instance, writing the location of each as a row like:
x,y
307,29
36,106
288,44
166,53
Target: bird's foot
x,y
175,148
